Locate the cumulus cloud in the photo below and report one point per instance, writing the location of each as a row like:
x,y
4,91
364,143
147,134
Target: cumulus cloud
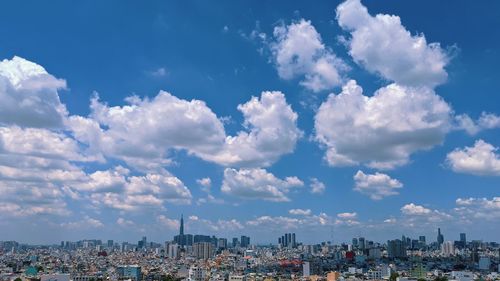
x,y
300,212
115,189
298,51
317,187
168,222
383,130
485,121
29,95
420,215
412,209
258,184
377,185
481,159
124,222
382,45
472,209
86,222
145,131
271,132
205,182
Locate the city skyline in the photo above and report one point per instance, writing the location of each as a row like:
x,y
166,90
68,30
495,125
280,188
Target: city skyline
x,y
330,121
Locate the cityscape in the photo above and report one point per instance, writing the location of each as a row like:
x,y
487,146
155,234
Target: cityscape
x,y
203,257
236,140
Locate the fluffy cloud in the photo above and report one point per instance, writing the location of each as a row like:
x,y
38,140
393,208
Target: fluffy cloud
x,y
143,132
317,187
383,130
382,45
257,184
205,182
278,223
298,51
482,159
169,223
197,224
377,185
419,215
272,132
115,189
485,121
472,209
300,212
86,222
347,215
412,209
29,95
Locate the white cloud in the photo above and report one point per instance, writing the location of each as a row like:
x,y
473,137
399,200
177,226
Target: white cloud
x,y
482,159
143,132
485,121
115,189
86,222
257,184
205,182
419,215
317,187
298,51
300,212
124,222
473,209
383,130
347,215
169,223
29,95
412,209
377,185
382,45
272,132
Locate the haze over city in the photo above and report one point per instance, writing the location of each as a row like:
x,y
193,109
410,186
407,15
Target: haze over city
x,y
329,120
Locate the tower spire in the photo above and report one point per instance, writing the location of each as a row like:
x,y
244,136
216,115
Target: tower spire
x,y
181,232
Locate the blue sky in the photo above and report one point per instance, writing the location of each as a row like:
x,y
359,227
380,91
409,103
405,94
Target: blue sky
x,y
367,119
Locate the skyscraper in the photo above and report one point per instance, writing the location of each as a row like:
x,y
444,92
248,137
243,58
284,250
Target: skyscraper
x,y
181,232
440,237
463,239
245,241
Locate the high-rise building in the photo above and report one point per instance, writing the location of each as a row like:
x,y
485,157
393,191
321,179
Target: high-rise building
x,y
203,250
181,230
421,239
355,242
245,241
110,243
463,239
440,237
396,249
306,269
448,248
235,242
222,243
294,244
362,244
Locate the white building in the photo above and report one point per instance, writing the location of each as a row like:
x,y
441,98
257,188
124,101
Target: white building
x,y
55,277
237,278
484,263
462,275
306,269
448,248
197,273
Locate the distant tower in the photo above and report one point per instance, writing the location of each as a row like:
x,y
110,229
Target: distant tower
x,y
440,237
181,232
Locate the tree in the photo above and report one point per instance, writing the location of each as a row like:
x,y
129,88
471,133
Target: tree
x,y
393,276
